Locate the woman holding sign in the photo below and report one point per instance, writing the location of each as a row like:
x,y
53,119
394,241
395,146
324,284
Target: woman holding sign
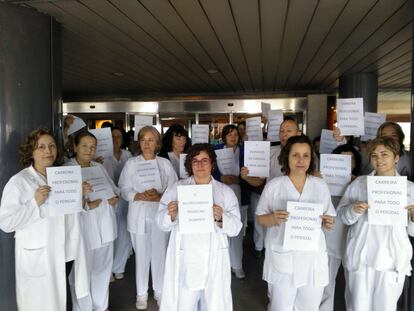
x,y
98,222
296,278
122,244
394,130
377,257
143,181
175,142
40,239
336,238
230,175
197,267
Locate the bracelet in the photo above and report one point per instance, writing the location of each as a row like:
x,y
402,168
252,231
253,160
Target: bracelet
x,y
220,220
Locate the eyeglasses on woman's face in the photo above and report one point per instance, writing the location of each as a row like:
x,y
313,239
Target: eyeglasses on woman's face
x,y
202,162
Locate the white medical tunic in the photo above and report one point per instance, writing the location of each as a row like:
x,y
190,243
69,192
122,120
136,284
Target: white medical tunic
x,y
40,244
286,267
199,261
130,184
383,248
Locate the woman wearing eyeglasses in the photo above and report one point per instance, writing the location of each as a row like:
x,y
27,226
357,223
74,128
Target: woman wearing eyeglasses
x,y
198,265
148,241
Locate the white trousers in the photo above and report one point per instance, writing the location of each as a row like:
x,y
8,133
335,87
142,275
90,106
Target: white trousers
x,y
285,298
99,268
236,243
259,231
150,250
191,300
328,296
122,244
372,290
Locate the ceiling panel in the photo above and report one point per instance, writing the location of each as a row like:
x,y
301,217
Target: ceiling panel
x,y
133,48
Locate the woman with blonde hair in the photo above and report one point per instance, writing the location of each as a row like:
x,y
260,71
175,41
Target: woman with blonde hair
x,y
148,241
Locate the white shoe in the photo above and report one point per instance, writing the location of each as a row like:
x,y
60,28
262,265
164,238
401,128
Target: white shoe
x,y
239,273
157,297
142,302
119,276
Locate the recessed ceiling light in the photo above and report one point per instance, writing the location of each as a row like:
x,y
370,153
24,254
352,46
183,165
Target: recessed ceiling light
x,y
118,74
212,71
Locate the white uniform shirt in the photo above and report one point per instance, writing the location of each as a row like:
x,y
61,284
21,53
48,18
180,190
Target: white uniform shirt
x,y
99,224
111,164
275,167
384,248
286,267
200,261
40,244
140,212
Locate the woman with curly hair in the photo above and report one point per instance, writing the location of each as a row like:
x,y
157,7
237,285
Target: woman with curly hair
x,y
40,235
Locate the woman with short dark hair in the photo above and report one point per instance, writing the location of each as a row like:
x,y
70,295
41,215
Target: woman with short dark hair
x,y
296,279
197,270
377,257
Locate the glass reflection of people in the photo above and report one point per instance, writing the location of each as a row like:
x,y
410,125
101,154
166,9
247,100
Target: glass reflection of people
x,y
198,265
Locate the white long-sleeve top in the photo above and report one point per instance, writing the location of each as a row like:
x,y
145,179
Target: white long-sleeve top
x,y
99,224
283,266
115,166
40,244
199,261
140,212
384,248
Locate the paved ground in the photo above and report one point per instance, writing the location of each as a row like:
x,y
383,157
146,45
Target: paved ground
x,y
248,294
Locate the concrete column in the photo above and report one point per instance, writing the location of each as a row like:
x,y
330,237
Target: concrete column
x,y
365,85
30,97
316,115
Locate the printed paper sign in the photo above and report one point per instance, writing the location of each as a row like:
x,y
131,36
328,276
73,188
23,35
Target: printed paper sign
x,y
328,142
336,171
257,158
139,122
372,123
254,129
303,228
195,208
350,116
200,134
265,109
387,199
104,146
275,119
225,161
148,174
66,189
101,188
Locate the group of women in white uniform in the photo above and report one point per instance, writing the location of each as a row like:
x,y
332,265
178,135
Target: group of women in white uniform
x,y
191,272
